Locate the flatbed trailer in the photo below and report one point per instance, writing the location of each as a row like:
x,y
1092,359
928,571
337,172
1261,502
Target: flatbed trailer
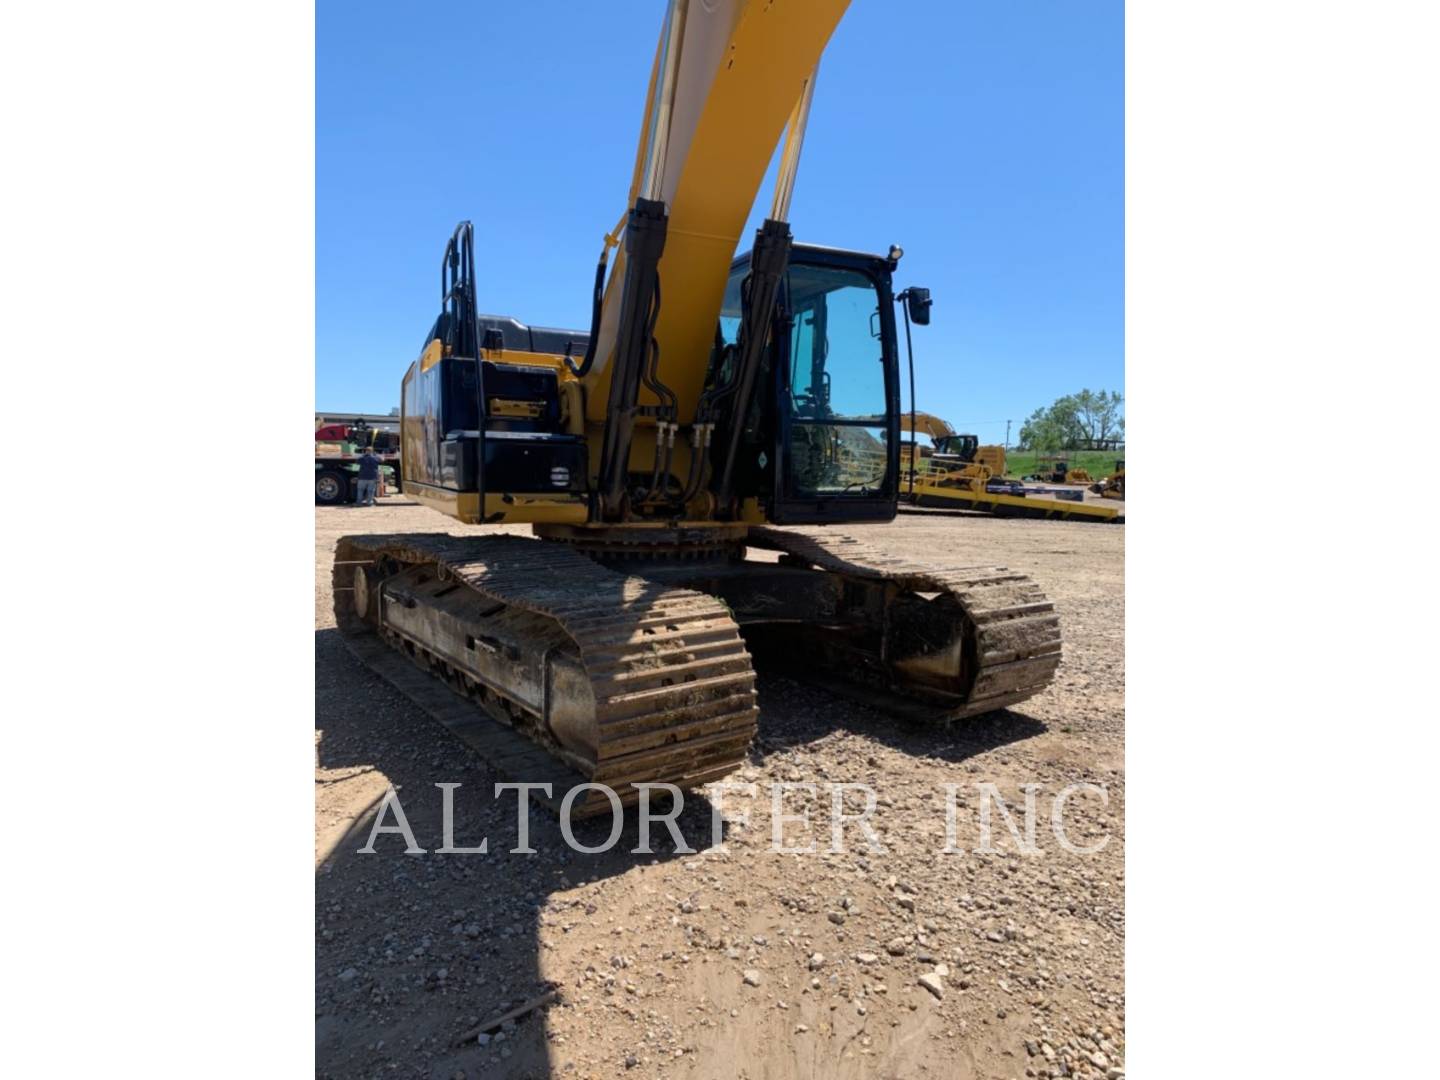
x,y
926,492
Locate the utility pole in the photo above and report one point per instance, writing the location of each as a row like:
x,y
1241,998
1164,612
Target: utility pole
x,y
1007,436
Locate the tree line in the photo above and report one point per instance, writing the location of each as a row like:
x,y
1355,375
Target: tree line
x,y
1075,422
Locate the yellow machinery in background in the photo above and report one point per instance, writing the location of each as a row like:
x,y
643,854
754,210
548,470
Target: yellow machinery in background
x,y
1055,469
958,473
1113,486
947,446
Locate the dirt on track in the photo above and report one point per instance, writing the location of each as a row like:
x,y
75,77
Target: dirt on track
x,y
740,961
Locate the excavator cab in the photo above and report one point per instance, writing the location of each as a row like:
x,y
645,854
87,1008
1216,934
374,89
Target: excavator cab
x,y
812,449
960,447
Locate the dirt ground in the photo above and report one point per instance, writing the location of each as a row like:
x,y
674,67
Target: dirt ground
x,y
742,961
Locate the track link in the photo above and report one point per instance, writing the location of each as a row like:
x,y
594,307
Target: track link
x,y
1012,646
673,684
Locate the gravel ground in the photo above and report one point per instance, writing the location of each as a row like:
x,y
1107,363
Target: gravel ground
x,y
741,961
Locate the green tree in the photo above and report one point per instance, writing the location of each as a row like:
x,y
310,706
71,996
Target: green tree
x,y
1074,421
1046,430
1098,416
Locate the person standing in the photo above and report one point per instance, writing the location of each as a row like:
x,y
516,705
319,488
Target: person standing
x,y
369,477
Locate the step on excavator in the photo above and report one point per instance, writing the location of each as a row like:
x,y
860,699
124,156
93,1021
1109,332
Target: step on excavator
x,y
683,464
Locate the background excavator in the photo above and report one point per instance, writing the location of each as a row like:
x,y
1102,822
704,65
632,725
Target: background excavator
x,y
948,448
956,473
674,461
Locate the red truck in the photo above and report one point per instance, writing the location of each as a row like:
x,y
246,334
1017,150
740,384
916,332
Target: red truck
x,y
337,459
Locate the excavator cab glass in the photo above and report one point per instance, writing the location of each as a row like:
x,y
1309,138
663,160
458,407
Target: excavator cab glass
x,y
962,447
836,378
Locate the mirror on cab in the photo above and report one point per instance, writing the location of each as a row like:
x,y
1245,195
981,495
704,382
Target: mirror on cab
x,y
917,303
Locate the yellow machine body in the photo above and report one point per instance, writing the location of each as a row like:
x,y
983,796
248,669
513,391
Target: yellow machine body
x,y
708,134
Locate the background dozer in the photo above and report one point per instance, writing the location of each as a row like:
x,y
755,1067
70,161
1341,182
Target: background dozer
x,y
680,462
1055,469
1113,486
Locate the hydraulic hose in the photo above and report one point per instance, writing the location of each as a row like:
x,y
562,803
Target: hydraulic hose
x,y
596,302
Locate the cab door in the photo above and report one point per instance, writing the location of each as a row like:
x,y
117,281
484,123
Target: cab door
x,y
837,409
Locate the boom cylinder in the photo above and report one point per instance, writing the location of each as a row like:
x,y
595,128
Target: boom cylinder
x,y
644,244
767,267
790,155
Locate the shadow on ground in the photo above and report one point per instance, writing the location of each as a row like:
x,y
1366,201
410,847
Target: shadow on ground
x,y
414,950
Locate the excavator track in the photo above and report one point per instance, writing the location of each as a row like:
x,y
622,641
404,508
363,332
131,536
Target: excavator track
x,y
672,683
672,690
1006,633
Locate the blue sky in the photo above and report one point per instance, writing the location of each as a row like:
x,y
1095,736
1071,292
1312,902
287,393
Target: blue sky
x,y
987,138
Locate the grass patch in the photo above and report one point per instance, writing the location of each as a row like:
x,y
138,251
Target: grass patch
x,y
1098,463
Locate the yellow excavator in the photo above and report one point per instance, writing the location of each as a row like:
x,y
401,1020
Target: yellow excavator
x,y
683,464
947,446
948,450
